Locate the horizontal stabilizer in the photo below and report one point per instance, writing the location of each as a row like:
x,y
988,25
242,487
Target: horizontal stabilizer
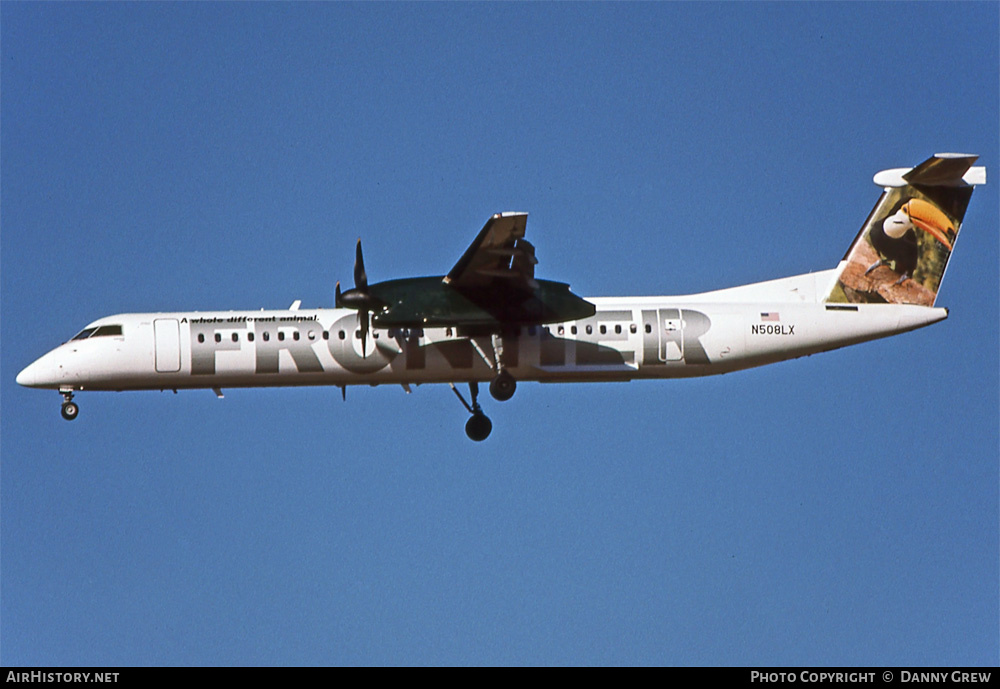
x,y
941,170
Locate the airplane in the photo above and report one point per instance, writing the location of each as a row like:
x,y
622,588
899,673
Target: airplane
x,y
490,320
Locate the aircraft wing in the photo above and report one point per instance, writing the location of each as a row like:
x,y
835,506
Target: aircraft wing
x,y
500,257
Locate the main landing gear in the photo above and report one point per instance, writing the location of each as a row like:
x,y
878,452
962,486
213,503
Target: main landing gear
x,y
478,426
70,409
503,386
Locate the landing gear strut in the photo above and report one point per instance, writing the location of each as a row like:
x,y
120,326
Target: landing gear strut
x,y
503,385
479,426
70,410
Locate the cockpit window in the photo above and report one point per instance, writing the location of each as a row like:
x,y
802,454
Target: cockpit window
x,y
100,331
84,334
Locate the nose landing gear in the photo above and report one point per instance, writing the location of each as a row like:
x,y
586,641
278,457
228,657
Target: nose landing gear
x,y
70,409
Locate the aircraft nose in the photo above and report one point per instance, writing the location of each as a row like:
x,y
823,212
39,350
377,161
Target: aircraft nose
x,y
37,374
28,376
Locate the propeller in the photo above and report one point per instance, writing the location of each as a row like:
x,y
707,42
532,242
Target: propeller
x,y
358,298
360,276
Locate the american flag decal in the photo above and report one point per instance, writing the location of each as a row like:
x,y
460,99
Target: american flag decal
x,y
770,316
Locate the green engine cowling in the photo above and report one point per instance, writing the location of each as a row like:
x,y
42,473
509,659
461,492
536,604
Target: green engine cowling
x,y
430,302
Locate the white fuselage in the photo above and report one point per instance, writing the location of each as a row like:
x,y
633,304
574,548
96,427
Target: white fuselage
x,y
627,338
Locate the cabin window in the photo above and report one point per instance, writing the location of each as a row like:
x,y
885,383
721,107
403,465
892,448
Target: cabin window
x,y
201,337
326,334
562,330
218,337
266,336
249,337
281,336
572,329
618,330
604,329
649,328
236,337
312,335
632,328
590,330
295,335
341,335
357,334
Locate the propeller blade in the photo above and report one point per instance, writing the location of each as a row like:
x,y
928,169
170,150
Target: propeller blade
x,y
358,298
336,297
363,316
360,277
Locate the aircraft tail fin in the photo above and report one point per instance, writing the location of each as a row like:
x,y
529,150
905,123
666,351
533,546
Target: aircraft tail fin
x,y
902,250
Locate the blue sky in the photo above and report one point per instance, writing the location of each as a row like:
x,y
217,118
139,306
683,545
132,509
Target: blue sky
x,y
839,509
